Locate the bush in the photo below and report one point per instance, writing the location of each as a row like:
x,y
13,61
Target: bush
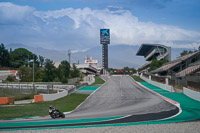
x,y
10,78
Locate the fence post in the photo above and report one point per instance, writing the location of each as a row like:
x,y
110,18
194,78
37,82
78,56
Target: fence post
x,y
52,89
166,81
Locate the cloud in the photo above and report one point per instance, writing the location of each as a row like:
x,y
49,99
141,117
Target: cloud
x,y
78,29
14,14
125,28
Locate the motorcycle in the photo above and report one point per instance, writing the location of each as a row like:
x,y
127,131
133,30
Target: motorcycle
x,y
54,113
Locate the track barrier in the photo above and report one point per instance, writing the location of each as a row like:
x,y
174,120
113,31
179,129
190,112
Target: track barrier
x,y
7,100
38,98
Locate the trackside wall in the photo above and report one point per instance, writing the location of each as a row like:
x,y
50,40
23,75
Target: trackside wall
x,y
192,94
160,85
52,97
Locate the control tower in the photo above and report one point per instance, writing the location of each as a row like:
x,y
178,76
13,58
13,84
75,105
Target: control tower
x,y
105,40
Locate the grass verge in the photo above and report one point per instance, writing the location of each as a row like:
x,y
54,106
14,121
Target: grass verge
x,y
137,78
64,104
98,81
24,97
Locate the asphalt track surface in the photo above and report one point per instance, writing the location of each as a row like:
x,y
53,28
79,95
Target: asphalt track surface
x,y
119,96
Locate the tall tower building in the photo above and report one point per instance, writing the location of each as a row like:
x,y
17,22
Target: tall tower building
x,y
105,40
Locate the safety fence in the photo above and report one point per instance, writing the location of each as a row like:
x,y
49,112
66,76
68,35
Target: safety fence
x,y
145,75
171,82
15,89
193,85
158,79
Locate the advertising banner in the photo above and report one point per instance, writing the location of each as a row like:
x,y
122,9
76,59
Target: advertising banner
x,y
104,36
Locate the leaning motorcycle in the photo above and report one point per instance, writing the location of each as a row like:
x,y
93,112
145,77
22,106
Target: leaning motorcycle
x,y
54,113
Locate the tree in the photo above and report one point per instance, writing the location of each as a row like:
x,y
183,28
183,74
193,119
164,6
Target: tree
x,y
75,72
4,56
64,71
20,57
185,52
49,71
26,74
41,61
39,75
10,78
157,63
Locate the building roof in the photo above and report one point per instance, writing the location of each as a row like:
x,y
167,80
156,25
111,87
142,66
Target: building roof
x,y
188,71
154,51
172,64
146,48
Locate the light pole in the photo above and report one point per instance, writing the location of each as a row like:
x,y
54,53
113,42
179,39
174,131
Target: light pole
x,y
33,70
34,75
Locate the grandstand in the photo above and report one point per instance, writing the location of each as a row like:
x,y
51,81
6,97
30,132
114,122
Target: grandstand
x,y
178,65
153,51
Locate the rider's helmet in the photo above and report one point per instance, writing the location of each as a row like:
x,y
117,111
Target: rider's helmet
x,y
50,107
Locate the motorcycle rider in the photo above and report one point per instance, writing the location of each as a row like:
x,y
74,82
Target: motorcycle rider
x,y
51,109
54,113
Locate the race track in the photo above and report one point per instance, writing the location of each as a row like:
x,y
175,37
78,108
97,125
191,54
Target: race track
x,y
119,96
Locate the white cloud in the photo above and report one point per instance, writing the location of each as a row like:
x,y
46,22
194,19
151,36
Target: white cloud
x,y
125,28
14,14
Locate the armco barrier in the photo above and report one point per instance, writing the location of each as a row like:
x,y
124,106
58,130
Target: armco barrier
x,y
160,85
51,97
192,94
38,98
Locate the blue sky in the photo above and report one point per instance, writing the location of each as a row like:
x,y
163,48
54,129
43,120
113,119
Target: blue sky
x,y
75,24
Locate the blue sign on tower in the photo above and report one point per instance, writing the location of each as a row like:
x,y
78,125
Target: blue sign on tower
x,y
105,32
104,36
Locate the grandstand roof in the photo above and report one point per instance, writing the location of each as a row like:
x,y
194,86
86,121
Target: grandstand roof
x,y
172,64
188,70
145,48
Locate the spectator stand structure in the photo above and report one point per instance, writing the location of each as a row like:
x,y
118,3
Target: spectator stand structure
x,y
153,51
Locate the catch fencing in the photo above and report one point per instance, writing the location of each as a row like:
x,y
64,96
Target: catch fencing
x,y
194,85
13,89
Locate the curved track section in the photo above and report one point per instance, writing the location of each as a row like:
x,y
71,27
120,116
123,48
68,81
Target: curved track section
x,y
119,96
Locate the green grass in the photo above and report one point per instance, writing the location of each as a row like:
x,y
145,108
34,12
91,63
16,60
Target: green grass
x,y
4,92
24,97
65,104
98,81
137,78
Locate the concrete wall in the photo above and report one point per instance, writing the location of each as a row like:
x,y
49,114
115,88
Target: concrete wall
x,y
160,85
89,79
37,86
51,97
73,80
192,94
